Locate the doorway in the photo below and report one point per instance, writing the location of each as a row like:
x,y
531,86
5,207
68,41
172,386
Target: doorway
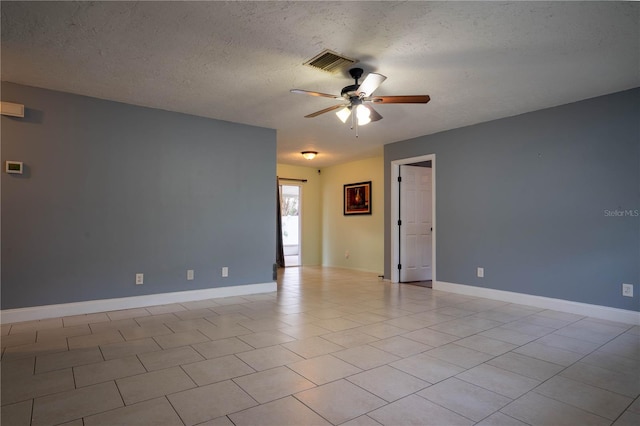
x,y
413,206
291,202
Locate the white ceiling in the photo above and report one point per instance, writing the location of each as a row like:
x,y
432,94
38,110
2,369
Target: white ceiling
x,y
236,61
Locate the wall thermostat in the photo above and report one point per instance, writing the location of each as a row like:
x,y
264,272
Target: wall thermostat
x,y
14,167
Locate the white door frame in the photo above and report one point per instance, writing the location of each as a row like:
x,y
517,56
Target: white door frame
x,y
299,185
395,216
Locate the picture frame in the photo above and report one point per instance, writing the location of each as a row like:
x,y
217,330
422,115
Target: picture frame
x,y
357,198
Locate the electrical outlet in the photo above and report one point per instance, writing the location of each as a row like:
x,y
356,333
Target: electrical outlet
x,y
627,290
480,272
225,271
189,274
139,279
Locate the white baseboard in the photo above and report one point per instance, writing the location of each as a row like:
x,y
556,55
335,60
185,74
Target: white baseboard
x,y
596,311
105,305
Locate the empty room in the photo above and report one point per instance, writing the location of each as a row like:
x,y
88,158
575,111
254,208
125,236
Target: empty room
x,y
320,213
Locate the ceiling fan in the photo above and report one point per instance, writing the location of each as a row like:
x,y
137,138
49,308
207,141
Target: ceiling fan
x,y
358,97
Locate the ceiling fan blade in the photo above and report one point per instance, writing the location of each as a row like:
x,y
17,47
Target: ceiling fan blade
x,y
374,116
322,111
409,99
370,83
308,92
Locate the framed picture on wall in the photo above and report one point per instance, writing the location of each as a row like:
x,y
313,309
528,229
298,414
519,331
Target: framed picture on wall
x,y
357,198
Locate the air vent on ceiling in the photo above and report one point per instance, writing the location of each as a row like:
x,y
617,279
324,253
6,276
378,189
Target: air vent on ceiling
x,y
329,61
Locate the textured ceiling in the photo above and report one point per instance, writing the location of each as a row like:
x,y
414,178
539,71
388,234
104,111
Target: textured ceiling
x,y
236,61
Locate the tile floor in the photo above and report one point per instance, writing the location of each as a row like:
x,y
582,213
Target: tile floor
x,y
330,347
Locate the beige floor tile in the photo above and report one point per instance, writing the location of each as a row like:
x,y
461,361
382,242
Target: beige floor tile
x,y
337,324
272,356
262,324
18,367
45,324
96,339
524,326
464,398
366,317
582,347
266,338
459,355
613,362
427,368
366,357
497,380
500,419
128,313
304,331
61,360
157,319
312,347
188,324
152,385
536,409
85,319
141,332
588,398
549,353
414,410
159,360
526,366
74,404
591,331
16,388
463,327
508,335
57,333
180,339
324,369
156,412
35,349
349,338
220,421
382,331
628,419
107,370
635,407
361,421
210,402
408,323
283,412
18,339
339,401
431,337
401,346
222,347
388,383
486,345
165,309
5,329
626,345
224,331
272,384
194,313
217,370
125,349
606,379
18,414
100,327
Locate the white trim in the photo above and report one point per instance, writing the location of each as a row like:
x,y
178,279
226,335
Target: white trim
x,y
105,305
596,311
395,249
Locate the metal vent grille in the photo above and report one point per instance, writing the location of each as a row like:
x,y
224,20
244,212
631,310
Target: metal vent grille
x,y
329,61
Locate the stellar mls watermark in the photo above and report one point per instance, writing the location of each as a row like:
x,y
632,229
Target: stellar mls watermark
x,y
622,213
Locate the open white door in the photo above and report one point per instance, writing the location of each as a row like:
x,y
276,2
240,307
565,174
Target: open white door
x,y
416,225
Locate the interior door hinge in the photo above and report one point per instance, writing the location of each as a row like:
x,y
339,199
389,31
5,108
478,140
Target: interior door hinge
x,y
399,222
399,178
399,266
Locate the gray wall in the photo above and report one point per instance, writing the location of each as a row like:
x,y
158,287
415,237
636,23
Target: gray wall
x,y
525,198
113,189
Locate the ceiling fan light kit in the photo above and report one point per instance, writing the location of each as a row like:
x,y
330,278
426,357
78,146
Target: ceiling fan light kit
x,y
309,155
357,96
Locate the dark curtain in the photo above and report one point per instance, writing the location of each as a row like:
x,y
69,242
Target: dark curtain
x,y
279,244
